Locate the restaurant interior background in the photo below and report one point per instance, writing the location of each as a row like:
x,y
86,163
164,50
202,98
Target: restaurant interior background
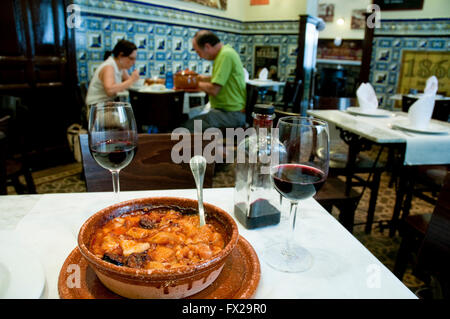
x,y
45,62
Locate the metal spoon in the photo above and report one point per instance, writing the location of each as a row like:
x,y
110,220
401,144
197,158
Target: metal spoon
x,y
198,168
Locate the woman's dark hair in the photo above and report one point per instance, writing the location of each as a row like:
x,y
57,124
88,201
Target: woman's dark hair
x,y
203,36
107,54
125,47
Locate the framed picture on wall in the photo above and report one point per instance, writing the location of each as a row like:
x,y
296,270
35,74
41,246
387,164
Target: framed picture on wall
x,y
399,4
358,19
218,4
326,11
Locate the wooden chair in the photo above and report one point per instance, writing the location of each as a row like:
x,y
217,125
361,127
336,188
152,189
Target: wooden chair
x,y
363,165
251,99
162,110
441,109
333,193
429,235
15,163
151,168
291,97
2,163
333,103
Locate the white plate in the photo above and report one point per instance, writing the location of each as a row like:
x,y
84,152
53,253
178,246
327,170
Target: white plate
x,y
21,273
375,113
433,128
149,89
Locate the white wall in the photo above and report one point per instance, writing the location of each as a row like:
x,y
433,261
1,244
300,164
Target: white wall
x,y
275,10
235,8
343,8
242,11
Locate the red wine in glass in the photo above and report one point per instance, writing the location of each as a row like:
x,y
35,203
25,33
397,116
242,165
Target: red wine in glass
x,y
298,170
112,137
113,154
297,181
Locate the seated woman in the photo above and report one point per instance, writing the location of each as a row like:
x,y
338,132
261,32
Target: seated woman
x,y
111,77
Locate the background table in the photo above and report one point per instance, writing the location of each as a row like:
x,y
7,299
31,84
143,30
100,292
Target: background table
x,y
414,149
342,268
264,85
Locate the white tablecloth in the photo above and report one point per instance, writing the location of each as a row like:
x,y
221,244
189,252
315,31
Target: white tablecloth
x,y
342,267
421,149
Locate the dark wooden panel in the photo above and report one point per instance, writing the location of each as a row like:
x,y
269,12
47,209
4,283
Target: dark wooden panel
x,y
44,27
151,168
306,59
38,64
161,110
367,52
11,26
399,4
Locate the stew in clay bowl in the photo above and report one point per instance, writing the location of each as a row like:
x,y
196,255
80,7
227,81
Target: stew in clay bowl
x,y
154,247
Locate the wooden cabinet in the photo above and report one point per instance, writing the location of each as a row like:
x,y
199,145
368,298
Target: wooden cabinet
x,y
38,64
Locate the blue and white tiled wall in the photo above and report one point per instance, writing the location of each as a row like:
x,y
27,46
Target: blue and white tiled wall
x,y
163,37
389,43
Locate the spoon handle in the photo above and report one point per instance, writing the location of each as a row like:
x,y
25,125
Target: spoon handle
x,y
201,210
198,168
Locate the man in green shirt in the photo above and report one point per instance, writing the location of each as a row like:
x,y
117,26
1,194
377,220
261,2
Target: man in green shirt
x,y
227,89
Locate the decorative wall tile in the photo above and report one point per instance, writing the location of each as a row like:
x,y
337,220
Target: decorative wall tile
x,y
391,39
164,37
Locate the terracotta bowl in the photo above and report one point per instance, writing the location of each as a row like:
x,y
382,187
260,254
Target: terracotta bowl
x,y
158,283
186,80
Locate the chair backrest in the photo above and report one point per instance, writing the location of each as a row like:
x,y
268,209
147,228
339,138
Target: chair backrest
x,y
163,110
288,92
434,254
279,114
4,120
407,101
441,109
3,151
18,132
296,99
252,97
333,103
151,168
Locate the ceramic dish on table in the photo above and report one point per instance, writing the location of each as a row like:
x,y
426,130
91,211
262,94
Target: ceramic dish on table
x,y
186,79
178,282
373,113
433,128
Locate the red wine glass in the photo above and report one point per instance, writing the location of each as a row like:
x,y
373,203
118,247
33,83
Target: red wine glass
x,y
112,137
298,169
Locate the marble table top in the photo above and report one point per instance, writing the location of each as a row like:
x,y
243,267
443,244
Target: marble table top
x,y
342,267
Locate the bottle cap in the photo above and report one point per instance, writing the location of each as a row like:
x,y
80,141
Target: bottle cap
x,y
263,109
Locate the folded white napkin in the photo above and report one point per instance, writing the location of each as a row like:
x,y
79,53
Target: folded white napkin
x,y
263,74
367,98
420,112
246,75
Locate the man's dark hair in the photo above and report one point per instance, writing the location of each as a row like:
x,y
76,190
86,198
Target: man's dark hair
x,y
125,47
203,36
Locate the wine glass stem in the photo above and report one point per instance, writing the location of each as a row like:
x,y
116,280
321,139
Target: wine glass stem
x,y
292,217
116,184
